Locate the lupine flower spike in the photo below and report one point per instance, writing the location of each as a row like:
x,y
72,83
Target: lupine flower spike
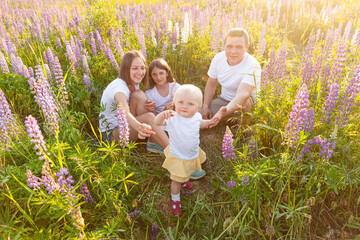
x,y
123,126
227,146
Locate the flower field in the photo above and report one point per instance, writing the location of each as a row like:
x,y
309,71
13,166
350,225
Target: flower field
x,y
291,172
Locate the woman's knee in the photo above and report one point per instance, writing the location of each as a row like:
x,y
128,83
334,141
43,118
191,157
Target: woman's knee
x,y
137,95
149,118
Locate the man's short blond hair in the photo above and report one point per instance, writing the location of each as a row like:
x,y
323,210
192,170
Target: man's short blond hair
x,y
238,32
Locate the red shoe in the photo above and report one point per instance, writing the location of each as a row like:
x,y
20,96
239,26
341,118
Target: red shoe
x,y
176,208
187,185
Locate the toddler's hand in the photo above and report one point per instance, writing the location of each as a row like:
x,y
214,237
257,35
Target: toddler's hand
x,y
168,114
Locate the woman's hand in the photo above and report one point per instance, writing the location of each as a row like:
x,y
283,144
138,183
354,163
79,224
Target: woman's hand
x,y
150,105
145,131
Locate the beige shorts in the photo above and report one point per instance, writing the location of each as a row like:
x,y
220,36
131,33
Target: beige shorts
x,y
219,102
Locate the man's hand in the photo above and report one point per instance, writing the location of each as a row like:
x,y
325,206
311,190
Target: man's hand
x,y
217,117
206,113
150,105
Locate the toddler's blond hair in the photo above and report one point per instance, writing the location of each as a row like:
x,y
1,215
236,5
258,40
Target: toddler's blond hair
x,y
190,89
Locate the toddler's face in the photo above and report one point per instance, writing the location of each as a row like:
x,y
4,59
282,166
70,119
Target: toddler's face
x,y
186,105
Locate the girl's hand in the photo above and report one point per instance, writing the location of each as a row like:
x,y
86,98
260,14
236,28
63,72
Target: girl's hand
x,y
169,106
150,105
145,131
168,114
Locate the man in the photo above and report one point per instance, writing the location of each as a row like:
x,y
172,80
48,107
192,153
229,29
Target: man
x,y
237,72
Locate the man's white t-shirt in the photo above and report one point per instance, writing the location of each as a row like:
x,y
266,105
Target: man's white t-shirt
x,y
108,117
159,100
229,77
184,136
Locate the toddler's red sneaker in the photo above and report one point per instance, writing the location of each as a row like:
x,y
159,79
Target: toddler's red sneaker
x,y
176,208
187,185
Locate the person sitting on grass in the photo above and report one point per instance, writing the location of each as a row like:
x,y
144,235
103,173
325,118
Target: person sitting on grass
x,y
237,72
161,93
125,90
183,155
162,87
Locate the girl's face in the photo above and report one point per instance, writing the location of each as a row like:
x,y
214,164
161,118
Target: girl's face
x,y
186,105
159,76
137,71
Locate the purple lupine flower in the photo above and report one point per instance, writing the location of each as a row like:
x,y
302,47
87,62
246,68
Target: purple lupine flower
x,y
134,213
309,122
119,33
14,64
348,98
100,43
112,59
8,126
50,56
70,54
141,41
164,49
227,145
39,72
326,147
3,64
298,114
245,181
340,59
44,97
242,199
31,72
84,190
123,126
34,133
87,81
59,79
81,34
93,44
261,42
49,182
32,180
154,231
356,38
85,65
231,184
330,103
119,48
58,43
48,72
64,180
112,36
347,31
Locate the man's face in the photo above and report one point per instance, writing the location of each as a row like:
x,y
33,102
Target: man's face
x,y
235,49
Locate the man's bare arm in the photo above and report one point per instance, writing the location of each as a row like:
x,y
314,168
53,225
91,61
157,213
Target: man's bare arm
x,y
208,96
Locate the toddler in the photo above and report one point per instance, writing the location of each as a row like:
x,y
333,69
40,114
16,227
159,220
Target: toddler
x,y
183,155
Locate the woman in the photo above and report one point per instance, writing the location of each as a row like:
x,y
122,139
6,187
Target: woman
x,y
125,90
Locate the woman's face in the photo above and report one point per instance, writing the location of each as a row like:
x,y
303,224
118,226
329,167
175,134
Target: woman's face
x,y
159,76
137,71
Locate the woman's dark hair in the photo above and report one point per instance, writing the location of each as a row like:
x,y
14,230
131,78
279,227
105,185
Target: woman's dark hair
x,y
161,64
125,66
